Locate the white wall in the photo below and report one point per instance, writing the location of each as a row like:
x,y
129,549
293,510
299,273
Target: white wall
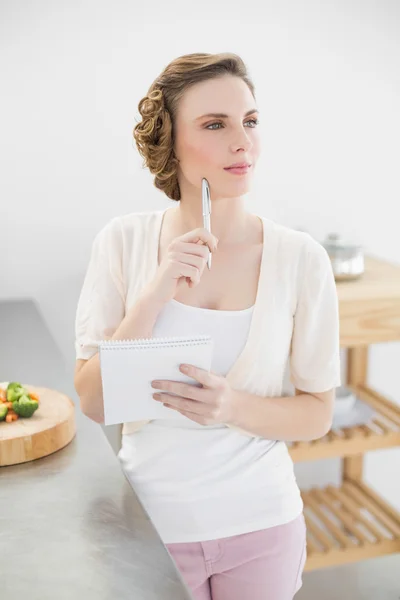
x,y
328,85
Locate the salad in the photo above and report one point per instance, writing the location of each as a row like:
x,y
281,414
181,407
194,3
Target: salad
x,y
16,401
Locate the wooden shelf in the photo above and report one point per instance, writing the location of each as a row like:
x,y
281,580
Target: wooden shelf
x,y
350,523
383,431
369,306
347,524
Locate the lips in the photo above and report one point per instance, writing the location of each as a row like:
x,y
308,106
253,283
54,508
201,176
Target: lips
x,y
241,165
238,170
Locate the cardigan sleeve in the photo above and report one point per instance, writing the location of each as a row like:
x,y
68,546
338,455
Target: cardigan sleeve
x,y
315,347
101,304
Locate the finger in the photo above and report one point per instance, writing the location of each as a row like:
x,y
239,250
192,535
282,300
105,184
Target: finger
x,y
185,390
199,234
185,404
192,416
207,378
197,249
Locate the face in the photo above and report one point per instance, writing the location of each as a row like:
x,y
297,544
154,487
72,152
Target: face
x,y
206,145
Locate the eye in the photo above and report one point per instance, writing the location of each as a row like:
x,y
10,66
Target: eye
x,y
211,126
255,121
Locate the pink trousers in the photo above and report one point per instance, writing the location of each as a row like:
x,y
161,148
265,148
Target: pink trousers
x,y
261,565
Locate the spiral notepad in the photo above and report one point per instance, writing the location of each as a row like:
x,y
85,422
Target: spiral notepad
x,y
129,366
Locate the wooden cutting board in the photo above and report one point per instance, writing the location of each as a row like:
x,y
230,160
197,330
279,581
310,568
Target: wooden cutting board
x,y
51,427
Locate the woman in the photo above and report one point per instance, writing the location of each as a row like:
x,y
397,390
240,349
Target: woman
x,y
227,508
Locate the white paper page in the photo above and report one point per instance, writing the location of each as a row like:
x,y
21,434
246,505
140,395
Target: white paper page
x,y
127,374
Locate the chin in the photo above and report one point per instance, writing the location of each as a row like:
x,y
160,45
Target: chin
x,y
238,187
231,189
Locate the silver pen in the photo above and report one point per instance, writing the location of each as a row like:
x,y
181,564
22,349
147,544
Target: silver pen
x,y
206,204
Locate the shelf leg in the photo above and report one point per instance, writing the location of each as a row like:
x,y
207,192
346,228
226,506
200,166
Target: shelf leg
x,y
357,370
357,365
352,467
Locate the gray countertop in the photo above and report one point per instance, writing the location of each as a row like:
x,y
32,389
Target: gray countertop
x,y
71,525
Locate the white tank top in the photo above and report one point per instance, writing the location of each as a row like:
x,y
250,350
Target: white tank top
x,y
201,482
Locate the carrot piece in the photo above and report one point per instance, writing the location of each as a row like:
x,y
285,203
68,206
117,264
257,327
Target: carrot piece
x,y
34,396
9,418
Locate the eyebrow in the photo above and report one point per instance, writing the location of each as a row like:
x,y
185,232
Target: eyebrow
x,y
224,116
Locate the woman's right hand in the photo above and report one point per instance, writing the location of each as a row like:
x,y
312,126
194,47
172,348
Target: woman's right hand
x,y
183,263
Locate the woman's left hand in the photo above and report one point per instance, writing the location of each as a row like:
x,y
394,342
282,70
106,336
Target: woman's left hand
x,y
211,404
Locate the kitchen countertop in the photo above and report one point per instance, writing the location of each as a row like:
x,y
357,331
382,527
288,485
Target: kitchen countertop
x,y
71,526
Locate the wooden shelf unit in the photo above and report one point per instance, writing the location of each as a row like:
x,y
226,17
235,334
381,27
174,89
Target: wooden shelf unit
x,y
383,431
352,522
347,524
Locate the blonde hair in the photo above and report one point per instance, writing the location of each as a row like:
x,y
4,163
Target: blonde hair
x,y
154,134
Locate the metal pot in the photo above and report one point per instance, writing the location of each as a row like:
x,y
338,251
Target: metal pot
x,y
347,259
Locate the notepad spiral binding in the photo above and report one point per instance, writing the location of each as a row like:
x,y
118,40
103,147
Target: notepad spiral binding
x,y
155,342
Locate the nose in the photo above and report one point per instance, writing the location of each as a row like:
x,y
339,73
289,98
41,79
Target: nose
x,y
241,141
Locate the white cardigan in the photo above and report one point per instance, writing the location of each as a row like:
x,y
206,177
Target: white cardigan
x,y
295,316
